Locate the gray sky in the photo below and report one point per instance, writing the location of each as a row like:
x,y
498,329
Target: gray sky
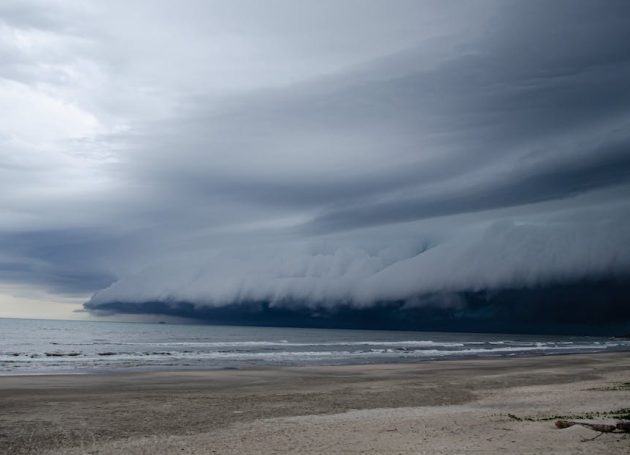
x,y
329,151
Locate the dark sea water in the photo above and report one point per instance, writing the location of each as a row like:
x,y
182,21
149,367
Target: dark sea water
x,y
44,346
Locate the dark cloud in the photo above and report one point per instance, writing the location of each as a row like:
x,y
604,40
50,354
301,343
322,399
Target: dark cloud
x,y
527,185
63,261
454,120
566,308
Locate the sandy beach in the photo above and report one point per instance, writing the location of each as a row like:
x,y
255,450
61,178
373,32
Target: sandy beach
x,y
446,407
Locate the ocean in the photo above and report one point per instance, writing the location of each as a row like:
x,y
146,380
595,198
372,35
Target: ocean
x,y
52,347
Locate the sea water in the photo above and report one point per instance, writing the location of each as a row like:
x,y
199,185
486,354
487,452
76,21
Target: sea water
x,y
47,346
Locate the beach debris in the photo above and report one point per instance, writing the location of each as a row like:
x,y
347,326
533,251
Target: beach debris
x,y
621,425
620,415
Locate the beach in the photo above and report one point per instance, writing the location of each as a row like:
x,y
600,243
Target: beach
x,y
445,407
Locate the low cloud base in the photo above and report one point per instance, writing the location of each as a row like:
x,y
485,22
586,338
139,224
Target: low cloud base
x,y
585,307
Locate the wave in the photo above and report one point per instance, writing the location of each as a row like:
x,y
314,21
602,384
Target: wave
x,y
285,343
393,349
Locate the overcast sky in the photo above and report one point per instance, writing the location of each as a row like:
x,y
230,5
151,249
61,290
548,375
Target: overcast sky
x,y
325,152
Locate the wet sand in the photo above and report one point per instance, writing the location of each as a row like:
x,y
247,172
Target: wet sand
x,y
445,407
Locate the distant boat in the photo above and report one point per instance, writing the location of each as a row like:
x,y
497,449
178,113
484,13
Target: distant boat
x,y
161,322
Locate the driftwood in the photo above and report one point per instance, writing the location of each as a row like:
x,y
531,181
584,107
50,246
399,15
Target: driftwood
x,y
601,427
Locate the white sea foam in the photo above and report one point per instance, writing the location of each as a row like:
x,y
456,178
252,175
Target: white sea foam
x,y
285,343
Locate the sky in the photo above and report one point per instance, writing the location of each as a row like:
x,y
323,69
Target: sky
x,y
163,157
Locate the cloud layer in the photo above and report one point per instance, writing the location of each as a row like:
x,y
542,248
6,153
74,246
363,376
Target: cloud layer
x,y
502,255
339,153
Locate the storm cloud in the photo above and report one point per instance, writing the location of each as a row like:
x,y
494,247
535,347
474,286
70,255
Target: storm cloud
x,y
319,157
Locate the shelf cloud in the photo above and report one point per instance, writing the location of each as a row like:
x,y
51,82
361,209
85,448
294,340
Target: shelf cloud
x,y
330,157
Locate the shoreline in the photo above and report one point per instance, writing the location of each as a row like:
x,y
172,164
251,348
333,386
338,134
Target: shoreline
x,y
194,369
269,410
